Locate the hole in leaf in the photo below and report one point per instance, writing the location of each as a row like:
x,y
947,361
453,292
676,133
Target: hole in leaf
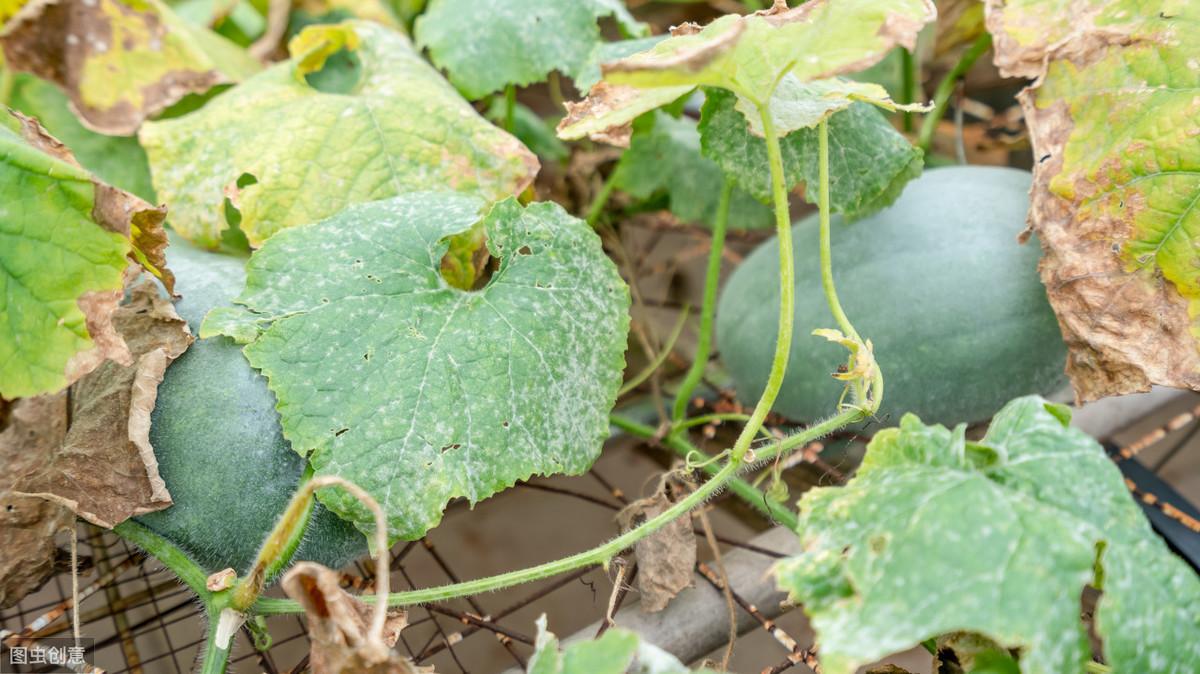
x,y
468,264
446,448
339,433
524,250
340,74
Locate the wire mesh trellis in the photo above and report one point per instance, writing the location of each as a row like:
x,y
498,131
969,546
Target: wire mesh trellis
x,y
141,619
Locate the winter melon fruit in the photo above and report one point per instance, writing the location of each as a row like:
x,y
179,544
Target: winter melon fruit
x,y
938,282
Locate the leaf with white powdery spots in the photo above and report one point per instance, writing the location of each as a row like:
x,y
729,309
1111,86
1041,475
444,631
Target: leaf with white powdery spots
x,y
938,534
68,239
486,45
869,161
286,153
1113,122
121,62
420,392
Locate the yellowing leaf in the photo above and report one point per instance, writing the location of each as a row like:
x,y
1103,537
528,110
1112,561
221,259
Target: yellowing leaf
x,y
67,241
284,152
749,55
120,61
1113,120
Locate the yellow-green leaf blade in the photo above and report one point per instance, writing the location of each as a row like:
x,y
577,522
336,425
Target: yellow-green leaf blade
x,y
120,61
286,153
1116,183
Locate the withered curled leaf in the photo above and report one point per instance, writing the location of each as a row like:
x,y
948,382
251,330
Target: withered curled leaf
x,y
110,422
28,524
666,557
1113,117
339,624
120,63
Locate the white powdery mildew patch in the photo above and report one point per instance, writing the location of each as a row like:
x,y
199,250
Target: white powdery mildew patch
x,y
420,392
934,536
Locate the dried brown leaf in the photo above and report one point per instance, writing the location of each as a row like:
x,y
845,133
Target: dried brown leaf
x,y
339,624
1115,186
119,63
666,557
110,427
28,524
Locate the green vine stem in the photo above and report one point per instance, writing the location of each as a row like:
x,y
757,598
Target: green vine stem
x,y
712,278
169,555
510,108
941,96
215,659
742,489
787,289
596,209
872,395
660,358
908,85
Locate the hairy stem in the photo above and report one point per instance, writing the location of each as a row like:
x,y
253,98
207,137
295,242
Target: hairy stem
x,y
787,289
279,546
171,557
215,658
742,489
941,96
826,250
712,278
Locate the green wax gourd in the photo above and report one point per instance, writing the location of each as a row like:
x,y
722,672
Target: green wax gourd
x,y
938,282
219,445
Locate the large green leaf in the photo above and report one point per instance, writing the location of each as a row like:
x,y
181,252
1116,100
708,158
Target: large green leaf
x,y
120,61
64,242
750,55
420,392
617,651
486,45
664,158
287,153
117,160
869,161
939,534
1112,117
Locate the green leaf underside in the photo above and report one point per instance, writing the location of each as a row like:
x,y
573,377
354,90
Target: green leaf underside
x,y
486,45
121,61
936,534
420,392
869,161
1121,165
117,160
664,157
617,651
51,253
311,153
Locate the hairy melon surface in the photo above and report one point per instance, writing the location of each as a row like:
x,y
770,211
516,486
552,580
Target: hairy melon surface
x,y
218,441
939,284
